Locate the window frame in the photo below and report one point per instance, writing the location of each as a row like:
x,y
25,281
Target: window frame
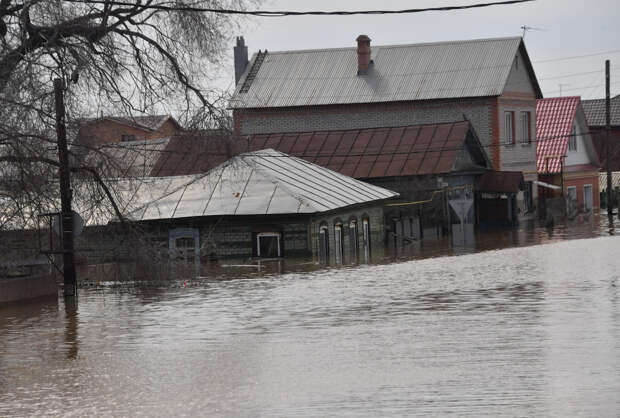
x,y
260,235
572,139
509,132
585,201
526,126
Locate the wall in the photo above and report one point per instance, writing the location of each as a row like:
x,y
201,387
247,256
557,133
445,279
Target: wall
x,y
579,180
373,115
107,131
375,216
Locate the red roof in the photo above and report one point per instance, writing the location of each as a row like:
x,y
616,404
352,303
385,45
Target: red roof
x,y
554,122
377,152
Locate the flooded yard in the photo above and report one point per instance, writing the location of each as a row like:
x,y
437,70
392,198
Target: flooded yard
x,y
484,331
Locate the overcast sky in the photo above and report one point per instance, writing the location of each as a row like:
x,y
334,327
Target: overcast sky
x,y
567,28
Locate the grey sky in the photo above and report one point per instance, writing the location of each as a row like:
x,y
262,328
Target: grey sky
x,y
570,28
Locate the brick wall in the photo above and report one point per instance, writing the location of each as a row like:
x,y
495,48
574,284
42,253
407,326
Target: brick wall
x,y
579,180
108,131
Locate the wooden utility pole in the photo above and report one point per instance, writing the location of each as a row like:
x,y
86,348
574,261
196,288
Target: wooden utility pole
x,y
610,208
66,215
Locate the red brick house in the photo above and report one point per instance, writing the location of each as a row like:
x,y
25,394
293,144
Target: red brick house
x,y
488,82
111,129
566,156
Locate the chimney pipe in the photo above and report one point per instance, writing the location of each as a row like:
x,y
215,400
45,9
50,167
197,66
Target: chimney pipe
x,y
363,54
241,58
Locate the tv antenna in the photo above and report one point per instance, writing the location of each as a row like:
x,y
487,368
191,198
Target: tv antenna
x,y
526,28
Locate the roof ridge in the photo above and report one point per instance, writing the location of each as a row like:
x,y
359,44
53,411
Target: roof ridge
x,y
419,44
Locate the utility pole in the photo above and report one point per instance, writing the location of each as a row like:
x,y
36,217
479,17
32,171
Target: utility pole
x,y
610,209
66,215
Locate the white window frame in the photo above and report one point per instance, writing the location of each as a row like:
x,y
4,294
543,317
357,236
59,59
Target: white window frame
x,y
366,235
179,233
338,243
585,200
268,234
353,237
509,126
526,127
572,139
568,189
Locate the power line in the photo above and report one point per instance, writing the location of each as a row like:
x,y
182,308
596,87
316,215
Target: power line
x,y
269,13
613,51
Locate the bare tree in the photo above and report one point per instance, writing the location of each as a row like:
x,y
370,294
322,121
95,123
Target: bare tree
x,y
121,57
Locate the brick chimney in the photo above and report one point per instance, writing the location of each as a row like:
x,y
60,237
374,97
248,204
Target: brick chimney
x,y
363,54
241,58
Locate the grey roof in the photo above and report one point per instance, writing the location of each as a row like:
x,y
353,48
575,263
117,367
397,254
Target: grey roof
x,y
456,69
256,183
595,111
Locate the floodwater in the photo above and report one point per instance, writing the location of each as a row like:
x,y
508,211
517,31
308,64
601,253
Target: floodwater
x,y
527,331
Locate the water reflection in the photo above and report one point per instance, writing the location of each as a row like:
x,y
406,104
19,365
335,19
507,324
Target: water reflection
x,y
71,327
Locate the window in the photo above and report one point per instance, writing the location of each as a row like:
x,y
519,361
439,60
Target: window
x,y
338,243
587,197
509,127
572,140
572,193
127,138
526,127
184,243
366,232
268,244
323,244
528,197
353,241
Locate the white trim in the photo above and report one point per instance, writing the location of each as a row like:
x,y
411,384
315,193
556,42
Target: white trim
x,y
585,200
267,234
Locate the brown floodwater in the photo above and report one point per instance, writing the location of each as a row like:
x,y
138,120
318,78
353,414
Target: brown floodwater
x,y
472,331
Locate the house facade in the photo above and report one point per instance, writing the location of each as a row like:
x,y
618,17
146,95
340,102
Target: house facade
x,y
113,129
262,204
566,155
489,82
596,116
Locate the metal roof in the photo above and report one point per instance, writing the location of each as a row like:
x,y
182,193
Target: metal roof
x,y
256,183
595,111
456,69
384,152
554,122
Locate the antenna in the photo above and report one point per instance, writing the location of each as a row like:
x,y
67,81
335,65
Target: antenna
x,y
526,28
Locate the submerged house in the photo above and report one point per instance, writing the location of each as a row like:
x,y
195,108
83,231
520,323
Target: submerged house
x,y
488,82
260,204
567,161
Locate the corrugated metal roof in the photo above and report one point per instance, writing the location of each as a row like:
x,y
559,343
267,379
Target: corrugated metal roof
x,y
474,68
554,121
254,183
595,111
382,152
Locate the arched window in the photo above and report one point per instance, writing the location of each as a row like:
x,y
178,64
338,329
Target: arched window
x,y
366,232
323,244
338,243
353,240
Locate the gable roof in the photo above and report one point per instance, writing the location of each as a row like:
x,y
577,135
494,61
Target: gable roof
x,y
442,70
555,117
383,152
256,183
595,111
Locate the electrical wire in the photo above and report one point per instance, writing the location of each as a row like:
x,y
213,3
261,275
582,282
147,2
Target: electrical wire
x,y
269,13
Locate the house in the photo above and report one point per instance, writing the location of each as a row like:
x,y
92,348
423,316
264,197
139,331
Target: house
x,y
263,204
113,129
566,156
489,82
596,116
428,165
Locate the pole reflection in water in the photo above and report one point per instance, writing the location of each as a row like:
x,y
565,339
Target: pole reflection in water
x,y
71,328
